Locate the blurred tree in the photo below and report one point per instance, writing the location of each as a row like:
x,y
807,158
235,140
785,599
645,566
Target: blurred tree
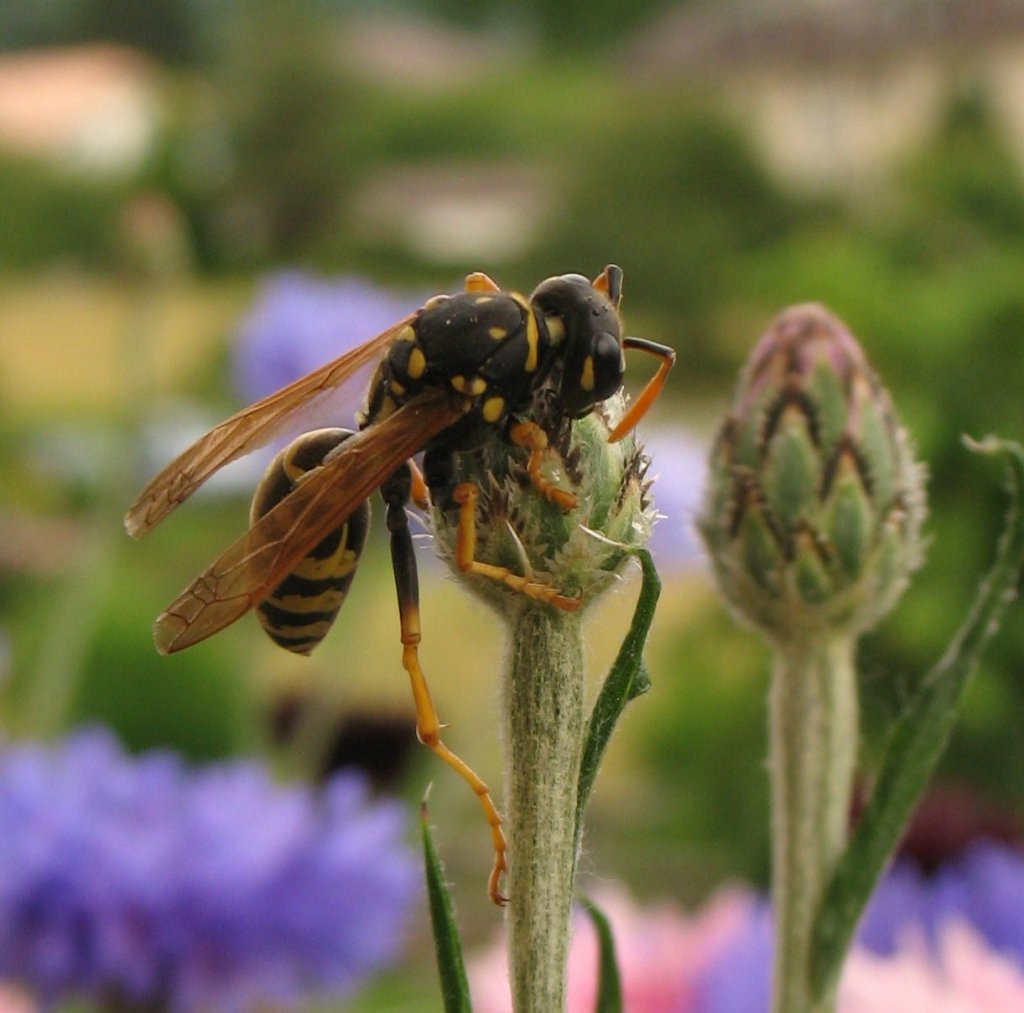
x,y
169,29
166,28
36,24
280,142
969,173
51,217
678,197
560,26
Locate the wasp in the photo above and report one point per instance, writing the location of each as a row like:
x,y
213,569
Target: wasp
x,y
458,371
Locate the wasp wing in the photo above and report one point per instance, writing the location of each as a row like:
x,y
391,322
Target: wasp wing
x,y
243,432
257,562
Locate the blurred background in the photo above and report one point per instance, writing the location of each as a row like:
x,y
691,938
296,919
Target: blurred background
x,y
200,199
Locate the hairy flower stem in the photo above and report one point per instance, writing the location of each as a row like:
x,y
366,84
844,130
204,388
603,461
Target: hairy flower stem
x,y
543,708
813,733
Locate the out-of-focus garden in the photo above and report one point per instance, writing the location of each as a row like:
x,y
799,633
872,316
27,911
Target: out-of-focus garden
x,y
200,201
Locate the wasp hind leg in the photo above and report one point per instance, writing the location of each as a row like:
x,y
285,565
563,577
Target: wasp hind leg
x,y
396,492
465,495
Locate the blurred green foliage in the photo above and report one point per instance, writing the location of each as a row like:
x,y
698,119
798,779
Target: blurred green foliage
x,y
53,217
181,30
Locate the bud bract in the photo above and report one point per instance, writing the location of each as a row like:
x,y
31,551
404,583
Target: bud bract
x,y
814,504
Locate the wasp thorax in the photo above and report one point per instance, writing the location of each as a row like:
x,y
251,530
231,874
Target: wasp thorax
x,y
576,549
814,505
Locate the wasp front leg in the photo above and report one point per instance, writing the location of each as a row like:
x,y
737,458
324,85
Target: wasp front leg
x,y
396,492
638,409
531,437
465,495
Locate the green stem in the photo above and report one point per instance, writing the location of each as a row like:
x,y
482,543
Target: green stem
x,y
813,732
543,709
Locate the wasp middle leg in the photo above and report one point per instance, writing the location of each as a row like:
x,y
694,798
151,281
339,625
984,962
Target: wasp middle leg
x,y
396,492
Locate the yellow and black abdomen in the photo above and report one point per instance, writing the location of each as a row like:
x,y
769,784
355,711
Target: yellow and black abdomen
x,y
301,609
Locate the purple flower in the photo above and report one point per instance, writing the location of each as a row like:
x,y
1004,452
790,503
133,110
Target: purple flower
x,y
299,322
679,466
918,929
739,980
215,889
985,888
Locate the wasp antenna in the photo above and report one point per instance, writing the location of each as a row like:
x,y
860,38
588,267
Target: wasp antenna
x,y
609,281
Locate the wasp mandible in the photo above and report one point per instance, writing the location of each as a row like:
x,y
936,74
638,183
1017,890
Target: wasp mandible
x,y
460,370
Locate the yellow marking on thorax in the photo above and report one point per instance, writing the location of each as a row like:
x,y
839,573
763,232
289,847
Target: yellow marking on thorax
x,y
417,364
471,386
407,333
493,408
386,407
498,333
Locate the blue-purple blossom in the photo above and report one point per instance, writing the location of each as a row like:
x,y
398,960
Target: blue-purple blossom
x,y
298,322
739,980
981,892
679,465
984,888
215,889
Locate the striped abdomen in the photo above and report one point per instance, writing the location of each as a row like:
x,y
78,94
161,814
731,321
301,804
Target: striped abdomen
x,y
301,609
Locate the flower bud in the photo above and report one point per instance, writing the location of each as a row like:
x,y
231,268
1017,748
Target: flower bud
x,y
813,510
577,551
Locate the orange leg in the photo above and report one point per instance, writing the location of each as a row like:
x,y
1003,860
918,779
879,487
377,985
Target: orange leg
x,y
419,493
428,727
465,495
639,408
428,731
530,436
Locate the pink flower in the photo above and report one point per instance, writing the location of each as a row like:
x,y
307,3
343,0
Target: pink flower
x,y
660,952
961,973
15,1000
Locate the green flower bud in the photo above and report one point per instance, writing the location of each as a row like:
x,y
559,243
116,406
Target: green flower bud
x,y
813,511
577,551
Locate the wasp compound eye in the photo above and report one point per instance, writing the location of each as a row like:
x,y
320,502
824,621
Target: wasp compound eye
x,y
609,364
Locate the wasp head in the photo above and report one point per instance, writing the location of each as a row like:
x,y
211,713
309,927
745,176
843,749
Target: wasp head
x,y
582,319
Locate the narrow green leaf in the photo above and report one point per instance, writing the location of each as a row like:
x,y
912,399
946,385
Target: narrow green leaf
x,y
627,679
609,986
918,738
454,985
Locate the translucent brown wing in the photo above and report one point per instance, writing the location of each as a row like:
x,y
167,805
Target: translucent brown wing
x,y
258,561
243,432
